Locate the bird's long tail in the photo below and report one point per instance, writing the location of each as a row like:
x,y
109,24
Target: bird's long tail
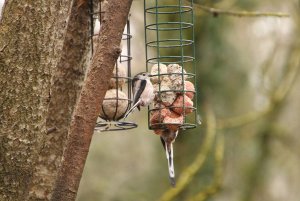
x,y
169,153
131,109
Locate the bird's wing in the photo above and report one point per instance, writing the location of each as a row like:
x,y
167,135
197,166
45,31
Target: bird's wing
x,y
163,143
137,89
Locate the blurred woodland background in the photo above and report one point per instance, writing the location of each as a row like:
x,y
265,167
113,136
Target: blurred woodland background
x,y
247,147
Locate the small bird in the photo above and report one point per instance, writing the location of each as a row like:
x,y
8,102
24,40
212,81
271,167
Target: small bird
x,y
143,92
167,138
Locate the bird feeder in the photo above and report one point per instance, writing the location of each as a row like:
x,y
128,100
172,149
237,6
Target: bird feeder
x,y
118,97
170,59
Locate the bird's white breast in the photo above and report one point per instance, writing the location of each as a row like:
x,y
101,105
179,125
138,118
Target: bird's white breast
x,y
148,94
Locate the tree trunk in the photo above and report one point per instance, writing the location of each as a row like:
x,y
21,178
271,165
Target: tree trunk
x,y
41,66
65,87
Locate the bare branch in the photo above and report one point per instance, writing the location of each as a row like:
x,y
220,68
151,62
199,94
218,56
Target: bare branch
x,y
215,12
90,100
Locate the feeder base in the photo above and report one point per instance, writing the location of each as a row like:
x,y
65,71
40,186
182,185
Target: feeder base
x,y
114,126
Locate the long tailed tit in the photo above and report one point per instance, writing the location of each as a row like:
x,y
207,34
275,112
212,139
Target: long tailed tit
x,y
143,92
167,138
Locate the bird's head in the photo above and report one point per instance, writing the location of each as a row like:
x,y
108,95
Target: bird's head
x,y
142,76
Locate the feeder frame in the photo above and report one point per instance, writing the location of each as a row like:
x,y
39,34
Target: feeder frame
x,y
162,43
104,124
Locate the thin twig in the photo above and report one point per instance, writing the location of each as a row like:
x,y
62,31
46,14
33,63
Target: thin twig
x,y
188,174
215,12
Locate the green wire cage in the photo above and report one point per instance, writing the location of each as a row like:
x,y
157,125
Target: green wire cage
x,y
170,59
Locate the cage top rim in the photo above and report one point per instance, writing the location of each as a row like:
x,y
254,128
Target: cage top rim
x,y
185,10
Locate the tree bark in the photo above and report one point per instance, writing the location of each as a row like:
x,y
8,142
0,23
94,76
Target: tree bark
x,y
90,100
44,51
66,83
31,36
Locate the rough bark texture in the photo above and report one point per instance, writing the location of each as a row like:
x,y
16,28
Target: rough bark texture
x,y
39,57
89,103
31,36
65,85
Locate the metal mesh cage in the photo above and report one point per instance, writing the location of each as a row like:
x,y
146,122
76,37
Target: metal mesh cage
x,y
170,55
118,97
